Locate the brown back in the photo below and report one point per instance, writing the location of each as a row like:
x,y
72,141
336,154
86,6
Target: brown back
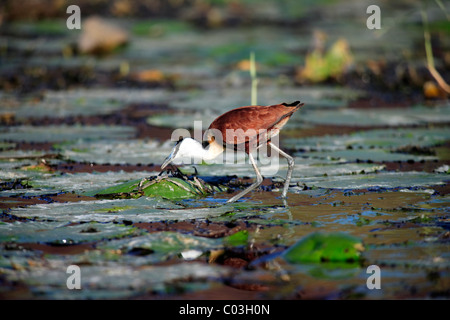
x,y
248,126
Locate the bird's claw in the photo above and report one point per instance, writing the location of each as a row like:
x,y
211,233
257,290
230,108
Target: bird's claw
x,y
148,181
164,174
174,171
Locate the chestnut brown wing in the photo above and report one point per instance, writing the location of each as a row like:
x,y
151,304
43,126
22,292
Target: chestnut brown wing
x,y
250,124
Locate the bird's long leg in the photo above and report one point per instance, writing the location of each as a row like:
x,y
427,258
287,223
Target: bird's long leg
x,y
259,180
290,161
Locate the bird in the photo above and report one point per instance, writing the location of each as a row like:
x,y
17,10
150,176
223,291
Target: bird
x,y
245,128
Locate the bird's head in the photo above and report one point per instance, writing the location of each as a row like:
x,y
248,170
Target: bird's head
x,y
187,149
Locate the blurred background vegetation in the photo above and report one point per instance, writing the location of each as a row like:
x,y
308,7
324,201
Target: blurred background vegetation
x,y
298,42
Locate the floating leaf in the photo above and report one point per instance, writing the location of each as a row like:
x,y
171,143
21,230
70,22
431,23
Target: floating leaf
x,y
85,182
173,188
114,281
116,151
239,238
163,242
85,101
321,247
380,180
135,210
168,188
60,233
376,155
41,167
393,117
386,139
416,255
56,133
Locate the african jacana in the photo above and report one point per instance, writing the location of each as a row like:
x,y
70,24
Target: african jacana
x,y
251,127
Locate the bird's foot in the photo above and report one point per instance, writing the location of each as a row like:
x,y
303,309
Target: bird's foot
x,y
174,172
148,181
143,184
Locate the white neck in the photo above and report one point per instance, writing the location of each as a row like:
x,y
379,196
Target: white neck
x,y
192,148
212,151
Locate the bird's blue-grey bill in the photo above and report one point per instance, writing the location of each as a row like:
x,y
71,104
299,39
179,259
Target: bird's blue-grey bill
x,y
167,161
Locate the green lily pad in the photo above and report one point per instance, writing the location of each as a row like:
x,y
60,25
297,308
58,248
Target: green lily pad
x,y
376,155
320,247
115,281
6,146
239,238
56,133
20,169
304,167
18,259
379,180
162,243
85,183
60,233
167,188
416,254
175,188
380,117
116,151
142,209
386,139
84,102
